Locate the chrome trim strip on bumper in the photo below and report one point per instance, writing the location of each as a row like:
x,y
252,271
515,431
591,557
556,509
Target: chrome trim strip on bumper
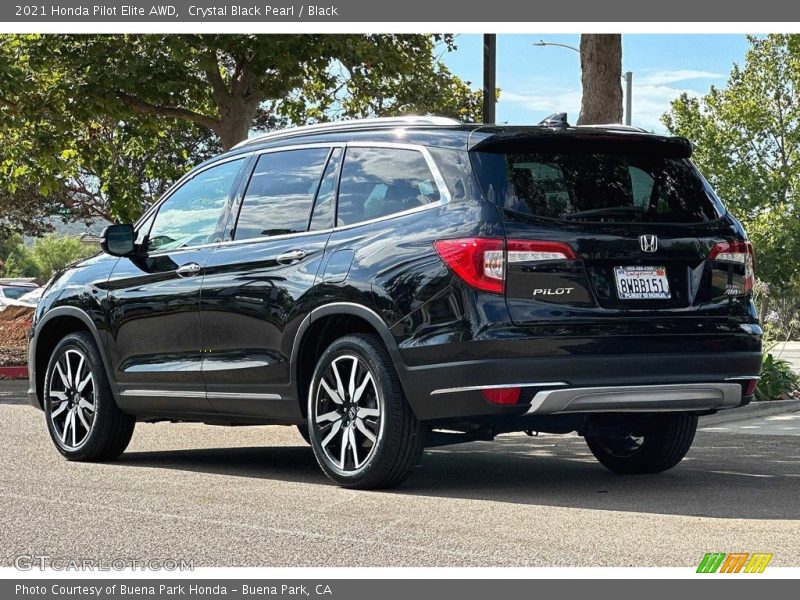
x,y
499,386
639,398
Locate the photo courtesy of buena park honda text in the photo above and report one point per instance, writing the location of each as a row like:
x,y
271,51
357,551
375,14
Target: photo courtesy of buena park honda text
x,y
360,300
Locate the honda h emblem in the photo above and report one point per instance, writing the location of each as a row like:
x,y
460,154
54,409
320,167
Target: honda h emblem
x,y
649,243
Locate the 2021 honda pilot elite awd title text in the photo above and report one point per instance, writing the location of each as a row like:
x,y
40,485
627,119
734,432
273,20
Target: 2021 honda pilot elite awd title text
x,y
395,283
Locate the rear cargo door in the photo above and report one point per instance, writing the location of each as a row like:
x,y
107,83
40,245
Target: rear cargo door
x,y
603,228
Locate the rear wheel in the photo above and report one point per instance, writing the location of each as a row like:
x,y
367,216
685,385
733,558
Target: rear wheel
x,y
362,430
83,419
656,443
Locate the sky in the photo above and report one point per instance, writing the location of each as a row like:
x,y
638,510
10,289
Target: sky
x,y
537,81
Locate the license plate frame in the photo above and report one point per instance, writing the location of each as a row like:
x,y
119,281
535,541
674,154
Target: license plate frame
x,y
642,282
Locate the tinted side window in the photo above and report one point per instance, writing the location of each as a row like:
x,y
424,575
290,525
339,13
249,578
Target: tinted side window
x,y
377,182
193,214
322,217
280,193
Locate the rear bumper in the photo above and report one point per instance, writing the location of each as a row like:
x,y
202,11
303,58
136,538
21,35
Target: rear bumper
x,y
637,398
581,384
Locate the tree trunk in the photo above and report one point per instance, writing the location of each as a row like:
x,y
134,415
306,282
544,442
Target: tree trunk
x,y
237,104
237,116
601,71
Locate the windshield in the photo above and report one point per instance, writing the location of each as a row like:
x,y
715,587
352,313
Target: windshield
x,y
593,186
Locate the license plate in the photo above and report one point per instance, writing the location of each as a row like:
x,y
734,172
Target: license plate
x,y
642,283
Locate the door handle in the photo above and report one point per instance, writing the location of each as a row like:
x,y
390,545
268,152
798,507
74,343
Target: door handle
x,y
293,256
188,270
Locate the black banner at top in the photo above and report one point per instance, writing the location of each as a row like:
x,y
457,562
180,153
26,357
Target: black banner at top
x,y
266,11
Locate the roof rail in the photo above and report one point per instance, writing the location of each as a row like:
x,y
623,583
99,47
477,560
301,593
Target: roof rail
x,y
352,125
617,127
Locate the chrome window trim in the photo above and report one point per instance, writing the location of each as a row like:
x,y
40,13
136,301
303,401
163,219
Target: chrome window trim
x,y
290,147
444,193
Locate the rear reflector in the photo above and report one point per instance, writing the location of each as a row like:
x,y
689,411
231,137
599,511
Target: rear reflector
x,y
481,262
509,395
749,387
740,253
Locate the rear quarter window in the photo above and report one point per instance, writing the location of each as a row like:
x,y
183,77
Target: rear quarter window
x,y
378,182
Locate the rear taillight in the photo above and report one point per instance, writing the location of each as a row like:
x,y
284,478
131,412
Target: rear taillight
x,y
481,262
739,253
478,261
532,251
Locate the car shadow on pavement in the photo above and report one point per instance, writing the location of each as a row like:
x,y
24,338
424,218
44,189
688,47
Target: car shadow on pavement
x,y
724,475
286,463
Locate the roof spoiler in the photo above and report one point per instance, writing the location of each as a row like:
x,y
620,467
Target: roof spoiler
x,y
557,139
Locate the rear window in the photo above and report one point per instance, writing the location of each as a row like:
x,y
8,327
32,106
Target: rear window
x,y
593,186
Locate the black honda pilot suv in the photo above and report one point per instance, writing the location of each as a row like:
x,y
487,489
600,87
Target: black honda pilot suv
x,y
391,284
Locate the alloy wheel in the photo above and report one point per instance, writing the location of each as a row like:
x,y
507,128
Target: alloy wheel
x,y
72,399
347,413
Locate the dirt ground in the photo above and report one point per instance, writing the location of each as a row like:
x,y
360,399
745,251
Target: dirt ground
x,y
15,321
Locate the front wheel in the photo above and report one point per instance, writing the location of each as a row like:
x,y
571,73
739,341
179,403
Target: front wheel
x,y
656,443
362,430
83,419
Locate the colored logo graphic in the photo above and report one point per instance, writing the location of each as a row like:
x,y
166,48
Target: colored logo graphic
x,y
736,562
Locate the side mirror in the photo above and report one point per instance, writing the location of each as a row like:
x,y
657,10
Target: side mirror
x,y
118,240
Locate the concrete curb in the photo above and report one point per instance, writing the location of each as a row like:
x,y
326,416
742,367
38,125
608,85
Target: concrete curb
x,y
14,372
754,410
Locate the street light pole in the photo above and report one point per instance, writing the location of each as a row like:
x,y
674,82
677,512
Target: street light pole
x,y
489,77
628,97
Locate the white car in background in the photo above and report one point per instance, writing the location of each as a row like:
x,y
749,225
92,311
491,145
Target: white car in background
x,y
19,292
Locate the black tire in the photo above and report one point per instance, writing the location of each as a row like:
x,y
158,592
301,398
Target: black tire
x,y
399,437
110,429
303,431
661,442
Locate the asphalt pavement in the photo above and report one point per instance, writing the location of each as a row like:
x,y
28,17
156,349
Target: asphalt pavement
x,y
254,496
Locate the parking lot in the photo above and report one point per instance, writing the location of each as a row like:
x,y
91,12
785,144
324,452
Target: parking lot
x,y
254,496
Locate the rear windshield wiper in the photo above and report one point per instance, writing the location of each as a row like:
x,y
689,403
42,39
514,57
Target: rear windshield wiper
x,y
608,211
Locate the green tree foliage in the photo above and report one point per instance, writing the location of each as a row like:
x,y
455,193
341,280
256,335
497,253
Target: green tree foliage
x,y
60,157
46,256
747,142
99,125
